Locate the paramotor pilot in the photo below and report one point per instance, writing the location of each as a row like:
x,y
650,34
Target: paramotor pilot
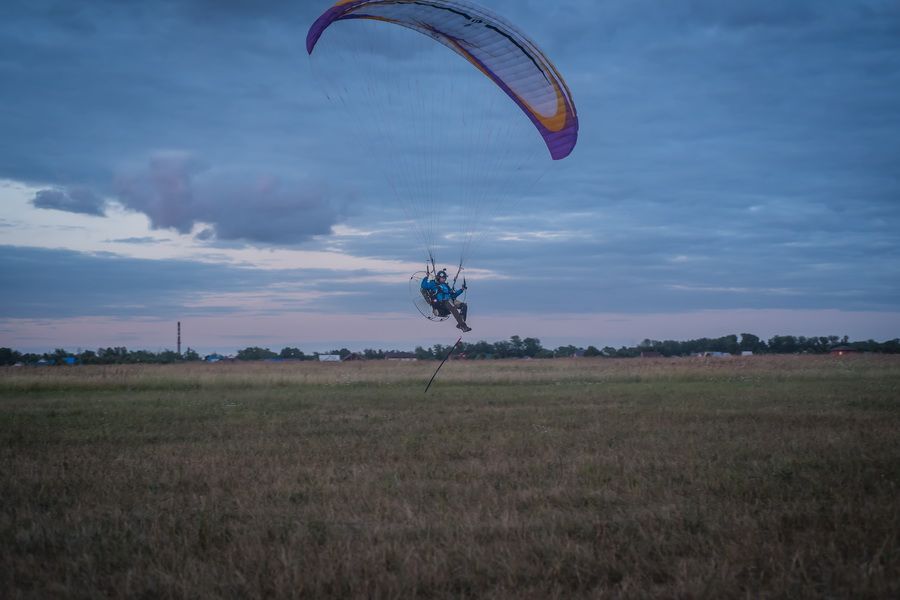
x,y
443,298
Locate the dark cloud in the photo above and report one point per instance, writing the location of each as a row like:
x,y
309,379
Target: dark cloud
x,y
731,153
206,235
646,257
74,200
60,283
177,191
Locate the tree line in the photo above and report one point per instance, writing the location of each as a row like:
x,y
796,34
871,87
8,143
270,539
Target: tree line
x,y
515,347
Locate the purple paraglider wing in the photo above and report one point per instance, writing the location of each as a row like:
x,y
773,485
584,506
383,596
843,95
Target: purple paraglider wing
x,y
494,46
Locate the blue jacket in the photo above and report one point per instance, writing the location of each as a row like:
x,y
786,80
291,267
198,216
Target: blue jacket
x,y
442,291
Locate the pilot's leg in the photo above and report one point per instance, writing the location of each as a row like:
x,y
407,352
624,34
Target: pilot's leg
x,y
463,309
460,319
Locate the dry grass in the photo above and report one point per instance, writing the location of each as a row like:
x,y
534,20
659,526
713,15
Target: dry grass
x,y
774,477
514,372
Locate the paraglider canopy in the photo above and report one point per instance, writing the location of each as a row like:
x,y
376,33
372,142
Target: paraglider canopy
x,y
493,46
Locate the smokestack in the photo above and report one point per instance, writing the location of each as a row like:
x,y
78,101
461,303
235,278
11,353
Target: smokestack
x,y
179,338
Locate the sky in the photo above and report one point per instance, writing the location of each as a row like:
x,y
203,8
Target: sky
x,y
737,170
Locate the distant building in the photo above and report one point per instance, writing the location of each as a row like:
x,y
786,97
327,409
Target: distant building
x,y
747,353
329,358
714,354
842,350
400,356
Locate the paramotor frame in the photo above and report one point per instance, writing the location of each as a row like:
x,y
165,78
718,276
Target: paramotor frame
x,y
423,300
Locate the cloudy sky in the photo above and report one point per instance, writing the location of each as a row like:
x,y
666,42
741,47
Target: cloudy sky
x,y
738,170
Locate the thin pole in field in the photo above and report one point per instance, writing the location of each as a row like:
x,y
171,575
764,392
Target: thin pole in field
x,y
442,363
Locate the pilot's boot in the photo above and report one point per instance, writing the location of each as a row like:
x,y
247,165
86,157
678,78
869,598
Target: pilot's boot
x,y
461,322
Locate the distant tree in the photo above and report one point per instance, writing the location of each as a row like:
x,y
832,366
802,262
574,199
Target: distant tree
x,y
871,346
891,346
88,357
255,353
8,356
502,349
109,356
423,354
820,344
481,350
514,347
147,357
531,347
751,343
672,348
58,357
727,343
566,351
166,357
783,344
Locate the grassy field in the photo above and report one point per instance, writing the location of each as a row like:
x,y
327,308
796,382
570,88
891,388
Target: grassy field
x,y
749,477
